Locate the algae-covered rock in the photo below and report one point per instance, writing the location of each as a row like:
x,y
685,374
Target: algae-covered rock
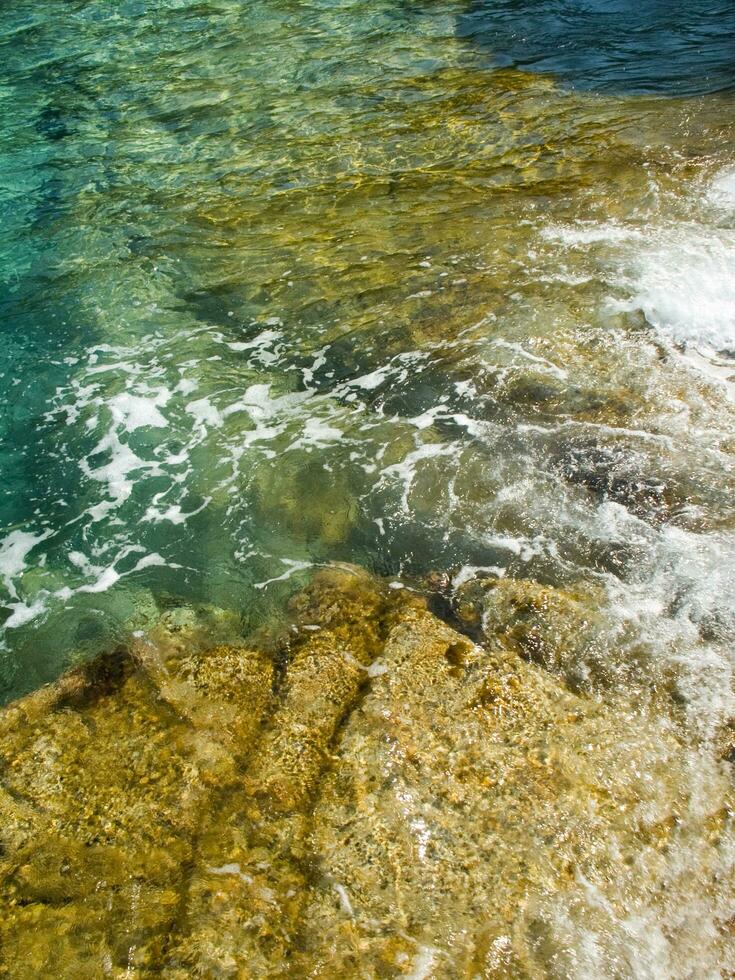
x,y
103,781
250,879
576,632
561,629
473,802
306,499
377,797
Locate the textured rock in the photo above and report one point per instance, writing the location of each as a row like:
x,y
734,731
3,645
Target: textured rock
x,y
104,779
473,797
250,880
560,629
381,797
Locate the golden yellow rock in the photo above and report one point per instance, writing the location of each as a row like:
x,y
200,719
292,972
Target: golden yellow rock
x,y
393,800
112,778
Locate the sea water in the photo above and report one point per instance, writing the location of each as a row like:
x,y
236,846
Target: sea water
x,y
442,290
390,284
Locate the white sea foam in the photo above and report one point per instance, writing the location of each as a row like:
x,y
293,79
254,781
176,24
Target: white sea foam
x,y
680,275
428,417
265,339
543,363
14,550
174,513
205,412
292,567
405,471
264,348
117,473
423,963
688,585
372,380
344,899
102,578
24,613
317,432
232,869
721,191
259,404
685,286
525,548
469,572
133,411
186,386
591,233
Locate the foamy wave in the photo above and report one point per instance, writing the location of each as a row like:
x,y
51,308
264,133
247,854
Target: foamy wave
x,y
591,233
686,287
681,275
99,579
721,191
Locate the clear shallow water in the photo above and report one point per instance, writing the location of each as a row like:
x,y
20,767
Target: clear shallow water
x,y
286,286
398,286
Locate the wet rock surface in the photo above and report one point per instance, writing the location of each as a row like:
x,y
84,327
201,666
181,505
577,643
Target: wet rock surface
x,y
561,629
373,795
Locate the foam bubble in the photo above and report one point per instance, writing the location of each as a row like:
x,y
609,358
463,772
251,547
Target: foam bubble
x,y
205,412
23,613
319,433
680,275
591,233
423,963
292,567
116,473
686,287
173,513
721,191
14,550
133,411
543,364
469,572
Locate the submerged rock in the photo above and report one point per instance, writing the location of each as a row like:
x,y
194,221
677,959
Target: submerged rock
x,y
381,797
562,630
245,896
306,499
476,803
104,779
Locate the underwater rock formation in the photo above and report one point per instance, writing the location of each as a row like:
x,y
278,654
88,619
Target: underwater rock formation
x,y
105,776
375,796
562,630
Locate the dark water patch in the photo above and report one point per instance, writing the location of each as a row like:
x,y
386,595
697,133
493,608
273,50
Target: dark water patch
x,y
679,47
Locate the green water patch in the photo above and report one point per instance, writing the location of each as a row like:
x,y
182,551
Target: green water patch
x,y
284,288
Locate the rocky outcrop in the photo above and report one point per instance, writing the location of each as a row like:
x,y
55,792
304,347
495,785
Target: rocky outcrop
x,y
376,797
561,629
105,780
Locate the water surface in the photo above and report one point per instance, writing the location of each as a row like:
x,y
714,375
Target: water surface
x,y
428,288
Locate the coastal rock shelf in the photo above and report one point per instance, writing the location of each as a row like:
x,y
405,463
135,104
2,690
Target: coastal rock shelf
x,y
363,793
367,490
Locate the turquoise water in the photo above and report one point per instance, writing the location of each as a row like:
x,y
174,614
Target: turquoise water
x,y
286,284
444,291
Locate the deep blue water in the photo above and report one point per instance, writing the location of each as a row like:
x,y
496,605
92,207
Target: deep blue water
x,y
675,47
